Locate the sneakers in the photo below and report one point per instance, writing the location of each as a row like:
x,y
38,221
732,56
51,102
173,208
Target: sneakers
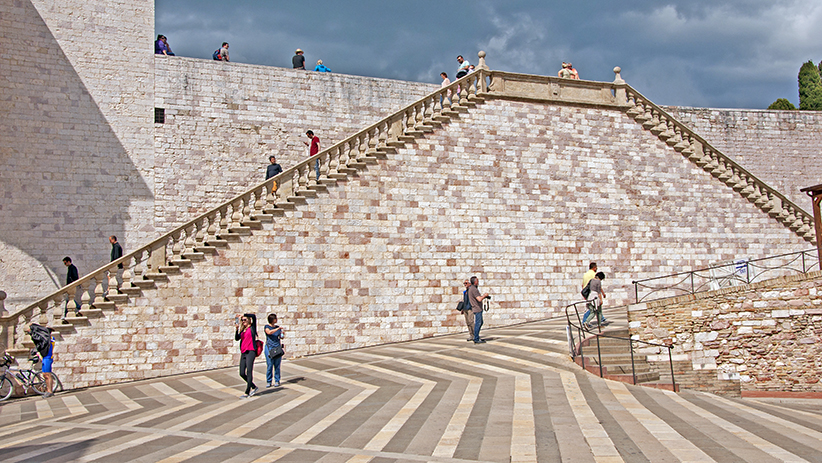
x,y
267,385
244,396
481,341
253,391
277,384
48,394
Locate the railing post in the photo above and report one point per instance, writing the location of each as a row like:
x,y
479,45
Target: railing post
x,y
692,283
599,353
633,367
636,291
671,362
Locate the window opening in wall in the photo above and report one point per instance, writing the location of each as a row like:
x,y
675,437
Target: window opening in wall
x,y
159,115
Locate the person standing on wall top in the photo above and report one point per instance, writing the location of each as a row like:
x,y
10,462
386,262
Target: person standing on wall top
x,y
476,299
273,168
245,331
574,73
466,310
222,53
462,71
161,46
565,73
168,47
314,149
298,60
320,67
72,275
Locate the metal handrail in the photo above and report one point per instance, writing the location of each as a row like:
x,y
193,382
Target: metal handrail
x,y
581,328
751,265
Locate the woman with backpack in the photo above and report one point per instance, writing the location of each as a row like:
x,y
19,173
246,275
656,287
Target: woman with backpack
x,y
246,332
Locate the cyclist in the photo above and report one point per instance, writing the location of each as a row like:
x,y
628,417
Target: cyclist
x,y
44,347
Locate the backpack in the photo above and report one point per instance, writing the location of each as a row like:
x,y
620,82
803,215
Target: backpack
x,y
216,55
586,291
41,336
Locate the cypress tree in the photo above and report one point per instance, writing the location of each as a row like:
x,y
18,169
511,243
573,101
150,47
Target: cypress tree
x,y
810,87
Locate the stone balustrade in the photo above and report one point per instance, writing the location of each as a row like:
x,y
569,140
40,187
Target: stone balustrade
x,y
700,152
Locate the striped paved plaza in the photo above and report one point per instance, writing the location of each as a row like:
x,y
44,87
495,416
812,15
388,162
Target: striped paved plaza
x,y
516,398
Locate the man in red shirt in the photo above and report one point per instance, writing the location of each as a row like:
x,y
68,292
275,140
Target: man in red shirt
x,y
315,148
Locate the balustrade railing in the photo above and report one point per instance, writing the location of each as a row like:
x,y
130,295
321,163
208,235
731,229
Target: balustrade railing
x,y
738,272
241,213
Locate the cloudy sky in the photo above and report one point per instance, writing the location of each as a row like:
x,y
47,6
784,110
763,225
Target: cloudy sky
x,y
714,53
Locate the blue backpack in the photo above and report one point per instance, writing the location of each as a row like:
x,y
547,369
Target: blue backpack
x,y
216,55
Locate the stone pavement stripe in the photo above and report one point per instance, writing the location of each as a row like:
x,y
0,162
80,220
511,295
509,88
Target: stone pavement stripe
x,y
598,440
564,423
273,456
154,450
192,452
390,429
74,405
775,430
131,442
214,385
43,409
17,428
305,394
27,437
136,393
676,444
759,443
321,425
42,450
810,416
359,459
450,437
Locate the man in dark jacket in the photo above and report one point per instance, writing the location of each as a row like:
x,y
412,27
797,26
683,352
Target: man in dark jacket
x,y
273,168
72,275
116,253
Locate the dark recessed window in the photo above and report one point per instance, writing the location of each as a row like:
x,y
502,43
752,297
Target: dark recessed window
x,y
159,115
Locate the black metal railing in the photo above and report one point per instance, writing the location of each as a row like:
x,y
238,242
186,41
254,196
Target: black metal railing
x,y
739,272
582,330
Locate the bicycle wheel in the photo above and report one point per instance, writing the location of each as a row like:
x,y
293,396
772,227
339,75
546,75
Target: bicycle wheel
x,y
58,385
6,388
38,383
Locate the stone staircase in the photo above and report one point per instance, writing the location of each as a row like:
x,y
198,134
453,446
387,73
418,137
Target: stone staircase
x,y
197,242
615,355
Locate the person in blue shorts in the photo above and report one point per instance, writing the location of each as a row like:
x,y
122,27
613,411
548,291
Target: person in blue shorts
x,y
45,352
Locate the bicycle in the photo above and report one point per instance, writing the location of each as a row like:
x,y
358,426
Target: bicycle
x,y
28,378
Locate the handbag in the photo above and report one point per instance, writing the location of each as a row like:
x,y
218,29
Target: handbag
x,y
586,291
461,306
258,347
275,352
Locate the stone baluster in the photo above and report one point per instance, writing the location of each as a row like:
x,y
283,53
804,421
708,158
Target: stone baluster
x,y
428,113
660,128
373,141
236,213
285,188
636,108
409,121
352,152
653,121
783,212
224,221
128,273
473,86
464,95
764,199
362,147
138,265
683,142
796,222
436,109
712,159
667,131
382,140
419,116
806,229
749,191
737,182
674,136
325,166
248,201
58,303
189,241
302,179
113,285
99,292
726,176
43,313
176,246
260,199
85,298
333,163
396,130
446,100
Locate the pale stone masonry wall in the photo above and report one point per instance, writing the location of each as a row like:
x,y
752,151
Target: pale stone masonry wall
x,y
780,147
766,336
223,120
522,195
76,144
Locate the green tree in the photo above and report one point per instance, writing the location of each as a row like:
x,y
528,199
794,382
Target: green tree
x,y
782,104
810,87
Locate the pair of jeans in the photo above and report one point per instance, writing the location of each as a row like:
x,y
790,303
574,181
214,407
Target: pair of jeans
x,y
477,325
272,363
247,369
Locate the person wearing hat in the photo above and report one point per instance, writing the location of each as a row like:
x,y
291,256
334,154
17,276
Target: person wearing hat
x,y
298,60
320,67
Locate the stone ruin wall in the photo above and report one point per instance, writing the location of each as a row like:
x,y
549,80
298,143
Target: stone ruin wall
x,y
521,194
761,337
223,120
780,147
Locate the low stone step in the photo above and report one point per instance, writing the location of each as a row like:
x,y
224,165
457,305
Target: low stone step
x,y
231,237
19,353
263,218
319,187
167,270
640,377
118,298
252,224
144,284
370,160
274,212
206,249
105,305
241,230
307,193
396,143
180,262
297,199
328,182
93,313
408,138
217,242
359,165
159,276
78,321
194,256
62,328
339,176
132,291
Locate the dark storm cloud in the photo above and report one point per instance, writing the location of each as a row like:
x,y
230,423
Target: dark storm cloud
x,y
694,53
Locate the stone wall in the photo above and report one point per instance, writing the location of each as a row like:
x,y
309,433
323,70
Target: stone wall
x,y
760,337
223,120
76,145
522,195
779,147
